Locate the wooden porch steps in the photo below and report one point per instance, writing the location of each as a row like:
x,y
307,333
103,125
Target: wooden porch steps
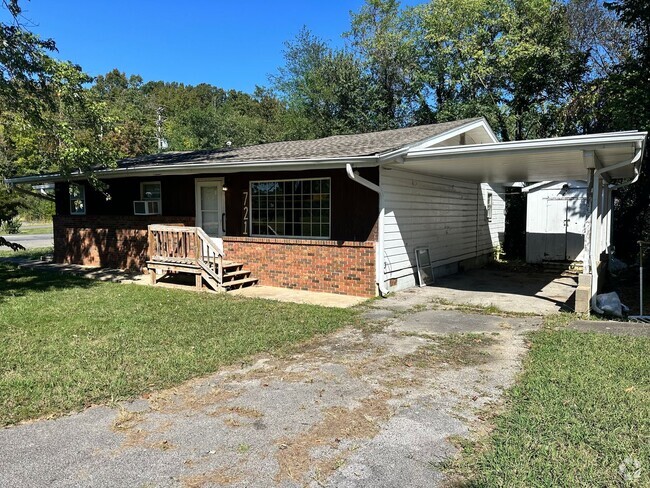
x,y
188,250
234,276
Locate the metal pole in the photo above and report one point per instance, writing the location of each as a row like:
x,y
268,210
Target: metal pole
x,y
641,278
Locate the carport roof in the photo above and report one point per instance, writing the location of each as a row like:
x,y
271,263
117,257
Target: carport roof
x,y
533,160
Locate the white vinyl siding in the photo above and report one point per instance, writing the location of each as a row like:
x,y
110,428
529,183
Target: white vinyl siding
x,y
449,217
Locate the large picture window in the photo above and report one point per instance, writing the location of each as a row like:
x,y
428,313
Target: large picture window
x,y
291,208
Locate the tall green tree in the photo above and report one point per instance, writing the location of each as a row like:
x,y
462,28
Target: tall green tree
x,y
509,60
46,121
626,106
380,37
326,90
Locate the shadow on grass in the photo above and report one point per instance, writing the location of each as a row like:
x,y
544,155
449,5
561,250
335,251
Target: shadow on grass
x,y
15,281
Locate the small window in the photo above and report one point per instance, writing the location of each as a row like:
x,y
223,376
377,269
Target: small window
x,y
489,207
150,193
77,199
150,190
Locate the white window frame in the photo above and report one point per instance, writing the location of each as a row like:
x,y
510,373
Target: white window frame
x,y
280,236
143,197
489,206
219,183
82,197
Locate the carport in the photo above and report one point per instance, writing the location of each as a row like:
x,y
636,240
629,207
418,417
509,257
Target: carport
x,y
606,161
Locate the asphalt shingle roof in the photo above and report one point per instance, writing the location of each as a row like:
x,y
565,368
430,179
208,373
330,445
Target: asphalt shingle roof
x,y
342,146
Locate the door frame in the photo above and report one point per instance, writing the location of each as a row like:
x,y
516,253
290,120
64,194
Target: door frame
x,y
221,201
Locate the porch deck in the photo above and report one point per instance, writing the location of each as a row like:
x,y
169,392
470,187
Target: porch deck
x,y
189,250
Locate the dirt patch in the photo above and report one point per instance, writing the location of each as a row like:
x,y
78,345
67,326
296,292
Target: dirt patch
x,y
189,398
221,476
272,372
454,349
130,424
295,456
237,416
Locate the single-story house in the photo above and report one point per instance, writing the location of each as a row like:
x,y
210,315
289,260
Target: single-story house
x,y
556,212
356,214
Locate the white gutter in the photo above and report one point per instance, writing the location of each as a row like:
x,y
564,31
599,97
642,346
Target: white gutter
x,y
637,173
595,236
203,167
554,143
379,260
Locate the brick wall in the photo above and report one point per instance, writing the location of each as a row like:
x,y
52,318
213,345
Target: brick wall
x,y
329,266
106,240
121,242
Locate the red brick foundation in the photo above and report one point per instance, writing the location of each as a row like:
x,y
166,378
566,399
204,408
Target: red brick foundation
x,y
329,266
107,241
121,242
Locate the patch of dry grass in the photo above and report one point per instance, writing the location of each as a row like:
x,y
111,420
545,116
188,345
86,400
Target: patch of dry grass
x,y
295,455
454,349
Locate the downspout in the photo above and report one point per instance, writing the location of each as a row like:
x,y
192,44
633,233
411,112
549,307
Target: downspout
x,y
379,260
627,183
595,199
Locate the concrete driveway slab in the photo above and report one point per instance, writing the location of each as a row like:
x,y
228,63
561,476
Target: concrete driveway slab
x,y
374,405
514,291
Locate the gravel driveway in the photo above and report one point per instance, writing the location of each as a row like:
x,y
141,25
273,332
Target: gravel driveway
x,y
378,404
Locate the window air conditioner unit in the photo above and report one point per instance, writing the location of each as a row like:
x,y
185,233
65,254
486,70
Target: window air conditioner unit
x,y
146,207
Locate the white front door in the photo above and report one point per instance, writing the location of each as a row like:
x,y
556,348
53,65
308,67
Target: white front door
x,y
210,206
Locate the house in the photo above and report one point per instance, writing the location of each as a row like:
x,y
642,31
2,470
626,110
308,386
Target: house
x,y
343,214
556,213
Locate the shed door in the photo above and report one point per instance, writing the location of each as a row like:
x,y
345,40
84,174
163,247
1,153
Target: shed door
x,y
563,240
575,227
555,230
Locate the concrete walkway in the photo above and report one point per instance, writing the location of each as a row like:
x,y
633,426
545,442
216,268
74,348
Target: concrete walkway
x,y
510,291
265,292
370,406
299,296
611,327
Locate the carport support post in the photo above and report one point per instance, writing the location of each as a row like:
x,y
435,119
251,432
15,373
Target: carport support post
x,y
583,292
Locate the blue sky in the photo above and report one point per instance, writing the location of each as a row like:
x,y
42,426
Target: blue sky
x,y
230,44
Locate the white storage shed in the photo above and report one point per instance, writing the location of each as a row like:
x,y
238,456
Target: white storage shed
x,y
556,212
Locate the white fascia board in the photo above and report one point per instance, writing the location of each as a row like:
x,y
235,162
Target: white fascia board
x,y
197,168
552,143
481,123
397,153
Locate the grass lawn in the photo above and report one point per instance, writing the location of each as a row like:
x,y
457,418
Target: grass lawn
x,y
44,229
580,409
67,342
34,253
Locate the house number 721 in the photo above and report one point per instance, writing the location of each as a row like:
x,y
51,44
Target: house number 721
x,y
245,213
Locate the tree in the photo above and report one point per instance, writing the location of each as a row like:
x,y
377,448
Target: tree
x,y
381,39
510,61
626,106
46,121
325,90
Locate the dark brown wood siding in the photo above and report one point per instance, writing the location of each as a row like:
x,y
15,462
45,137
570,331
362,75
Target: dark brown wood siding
x,y
354,207
177,194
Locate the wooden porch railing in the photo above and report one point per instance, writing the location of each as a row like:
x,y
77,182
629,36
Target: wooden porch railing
x,y
181,245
